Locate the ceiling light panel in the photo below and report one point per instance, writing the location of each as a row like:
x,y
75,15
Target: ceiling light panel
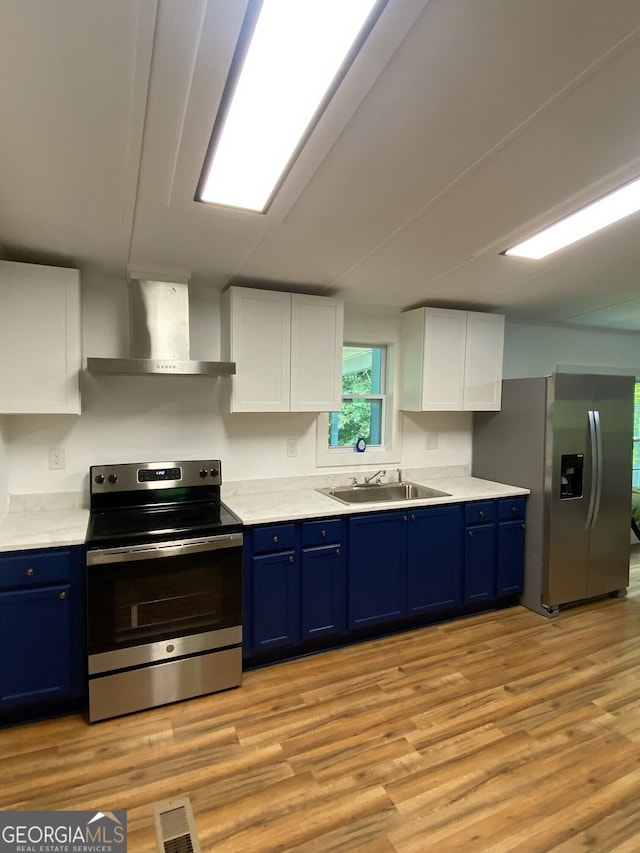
x,y
298,52
605,211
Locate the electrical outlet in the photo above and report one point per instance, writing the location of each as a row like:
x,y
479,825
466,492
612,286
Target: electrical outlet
x,y
431,442
56,458
292,447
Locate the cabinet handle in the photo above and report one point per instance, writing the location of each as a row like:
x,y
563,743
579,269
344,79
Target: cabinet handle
x,y
404,518
63,595
323,533
470,533
275,538
513,509
523,524
413,518
338,551
481,513
291,559
30,572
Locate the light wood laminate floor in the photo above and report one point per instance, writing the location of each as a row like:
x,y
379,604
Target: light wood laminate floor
x,y
499,732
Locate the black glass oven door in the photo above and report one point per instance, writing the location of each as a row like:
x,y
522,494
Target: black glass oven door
x,y
166,594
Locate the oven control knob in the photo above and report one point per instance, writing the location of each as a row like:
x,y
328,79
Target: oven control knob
x,y
113,478
203,472
99,478
214,472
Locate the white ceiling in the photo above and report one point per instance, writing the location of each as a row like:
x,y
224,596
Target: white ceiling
x,y
462,127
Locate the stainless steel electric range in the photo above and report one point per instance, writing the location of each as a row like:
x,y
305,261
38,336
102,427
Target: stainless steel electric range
x,y
164,586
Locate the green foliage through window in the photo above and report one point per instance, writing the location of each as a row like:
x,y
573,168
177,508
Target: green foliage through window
x,y
363,397
636,437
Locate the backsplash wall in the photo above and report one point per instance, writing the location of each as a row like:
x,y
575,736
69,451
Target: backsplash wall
x,y
4,468
133,418
130,418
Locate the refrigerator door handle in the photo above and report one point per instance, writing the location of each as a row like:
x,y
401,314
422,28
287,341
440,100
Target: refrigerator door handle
x,y
599,457
593,444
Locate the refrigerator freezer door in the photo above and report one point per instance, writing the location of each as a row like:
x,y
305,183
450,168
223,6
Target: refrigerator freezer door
x,y
566,534
608,559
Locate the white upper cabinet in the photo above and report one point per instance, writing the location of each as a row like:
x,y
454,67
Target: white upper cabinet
x,y
451,360
40,342
287,348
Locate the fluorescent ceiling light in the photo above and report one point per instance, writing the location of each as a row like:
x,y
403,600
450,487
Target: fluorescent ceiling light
x,y
290,70
607,210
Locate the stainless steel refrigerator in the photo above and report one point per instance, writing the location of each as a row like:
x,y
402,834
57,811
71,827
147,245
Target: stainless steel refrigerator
x,y
568,438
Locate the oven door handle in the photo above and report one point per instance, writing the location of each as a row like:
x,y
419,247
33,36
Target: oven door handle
x,y
162,549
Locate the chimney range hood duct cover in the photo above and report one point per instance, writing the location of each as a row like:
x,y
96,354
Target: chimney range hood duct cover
x,y
159,326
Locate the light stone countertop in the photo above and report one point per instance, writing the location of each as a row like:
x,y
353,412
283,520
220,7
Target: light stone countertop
x,y
54,521
52,528
260,507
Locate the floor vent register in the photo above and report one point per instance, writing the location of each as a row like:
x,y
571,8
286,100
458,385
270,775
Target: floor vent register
x,y
175,827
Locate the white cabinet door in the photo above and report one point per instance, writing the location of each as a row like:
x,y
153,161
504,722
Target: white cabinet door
x,y
483,362
40,349
287,349
316,353
444,348
451,360
257,325
432,352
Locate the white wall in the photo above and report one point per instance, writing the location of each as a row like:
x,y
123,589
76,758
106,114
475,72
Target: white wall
x,y
537,349
160,418
4,469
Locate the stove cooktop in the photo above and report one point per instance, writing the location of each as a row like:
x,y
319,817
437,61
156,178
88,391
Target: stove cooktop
x,y
124,526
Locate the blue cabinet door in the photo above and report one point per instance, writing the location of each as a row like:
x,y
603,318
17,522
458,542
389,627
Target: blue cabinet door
x,y
377,568
480,563
323,591
434,558
43,654
275,595
511,557
35,645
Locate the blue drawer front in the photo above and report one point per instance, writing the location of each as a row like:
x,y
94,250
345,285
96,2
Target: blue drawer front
x,y
479,512
321,532
511,508
275,537
34,568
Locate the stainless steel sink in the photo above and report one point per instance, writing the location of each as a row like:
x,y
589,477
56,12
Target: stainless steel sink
x,y
386,492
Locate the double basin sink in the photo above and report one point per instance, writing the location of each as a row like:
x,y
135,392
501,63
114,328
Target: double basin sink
x,y
381,493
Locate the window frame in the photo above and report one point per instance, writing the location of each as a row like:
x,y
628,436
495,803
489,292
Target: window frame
x,y
635,472
380,397
386,453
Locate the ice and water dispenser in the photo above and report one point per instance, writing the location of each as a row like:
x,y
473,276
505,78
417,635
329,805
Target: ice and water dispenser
x,y
571,470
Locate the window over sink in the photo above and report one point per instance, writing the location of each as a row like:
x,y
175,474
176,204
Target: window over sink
x,y
362,414
365,413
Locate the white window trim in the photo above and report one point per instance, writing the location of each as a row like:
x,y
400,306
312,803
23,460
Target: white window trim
x,y
387,454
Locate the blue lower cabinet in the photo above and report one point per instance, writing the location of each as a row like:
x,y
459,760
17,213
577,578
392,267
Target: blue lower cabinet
x,y
42,629
275,596
294,584
323,609
34,665
511,542
335,578
434,558
377,568
494,549
479,563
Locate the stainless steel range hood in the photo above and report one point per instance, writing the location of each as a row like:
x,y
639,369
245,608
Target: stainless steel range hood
x,y
159,328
